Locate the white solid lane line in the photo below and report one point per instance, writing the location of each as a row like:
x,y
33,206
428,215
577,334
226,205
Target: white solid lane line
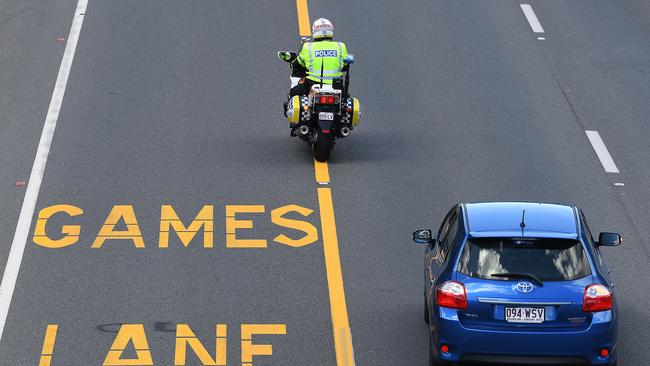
x,y
532,18
602,152
36,177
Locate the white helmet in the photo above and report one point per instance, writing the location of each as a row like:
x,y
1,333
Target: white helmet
x,y
322,28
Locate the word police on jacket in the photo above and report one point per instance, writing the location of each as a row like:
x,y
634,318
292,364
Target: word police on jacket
x,y
326,53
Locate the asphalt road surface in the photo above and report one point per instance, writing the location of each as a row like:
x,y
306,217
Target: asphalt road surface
x,y
171,113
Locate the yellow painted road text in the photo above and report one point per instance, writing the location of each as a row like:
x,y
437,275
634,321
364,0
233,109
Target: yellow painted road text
x,y
121,225
188,348
48,345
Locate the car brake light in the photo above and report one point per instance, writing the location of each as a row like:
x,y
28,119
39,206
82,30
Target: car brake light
x,y
326,99
451,294
597,298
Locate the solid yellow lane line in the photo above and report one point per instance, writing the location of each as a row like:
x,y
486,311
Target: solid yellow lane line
x,y
340,322
338,307
48,345
322,172
303,18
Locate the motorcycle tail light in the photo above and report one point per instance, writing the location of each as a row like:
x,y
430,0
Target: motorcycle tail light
x,y
597,298
327,99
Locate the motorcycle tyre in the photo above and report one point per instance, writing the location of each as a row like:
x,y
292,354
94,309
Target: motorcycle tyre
x,y
323,147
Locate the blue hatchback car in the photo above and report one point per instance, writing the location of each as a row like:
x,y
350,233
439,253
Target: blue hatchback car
x,y
518,283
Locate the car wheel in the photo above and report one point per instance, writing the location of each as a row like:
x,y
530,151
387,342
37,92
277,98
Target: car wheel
x,y
431,356
426,310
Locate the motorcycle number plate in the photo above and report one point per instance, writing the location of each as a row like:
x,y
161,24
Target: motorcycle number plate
x,y
326,116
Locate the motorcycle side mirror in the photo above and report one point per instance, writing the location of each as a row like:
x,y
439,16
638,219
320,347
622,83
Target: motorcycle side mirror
x,y
349,60
287,56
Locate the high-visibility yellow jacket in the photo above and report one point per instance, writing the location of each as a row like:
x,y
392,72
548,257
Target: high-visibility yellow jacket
x,y
325,54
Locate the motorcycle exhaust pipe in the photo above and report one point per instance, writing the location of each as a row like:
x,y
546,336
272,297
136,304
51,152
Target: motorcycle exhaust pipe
x,y
304,130
345,131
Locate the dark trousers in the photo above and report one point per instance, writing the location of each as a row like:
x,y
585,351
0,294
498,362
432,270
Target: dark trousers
x,y
303,87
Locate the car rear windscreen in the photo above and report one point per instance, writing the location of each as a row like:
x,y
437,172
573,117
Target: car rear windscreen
x,y
545,259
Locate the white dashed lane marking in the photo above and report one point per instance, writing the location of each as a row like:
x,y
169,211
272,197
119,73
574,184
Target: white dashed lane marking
x,y
602,152
532,18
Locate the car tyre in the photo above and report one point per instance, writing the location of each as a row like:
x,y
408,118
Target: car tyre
x,y
426,310
432,362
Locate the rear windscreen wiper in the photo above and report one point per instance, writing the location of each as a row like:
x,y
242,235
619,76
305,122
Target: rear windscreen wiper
x,y
519,275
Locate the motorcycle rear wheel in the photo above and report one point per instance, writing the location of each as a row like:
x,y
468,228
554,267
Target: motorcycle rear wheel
x,y
323,146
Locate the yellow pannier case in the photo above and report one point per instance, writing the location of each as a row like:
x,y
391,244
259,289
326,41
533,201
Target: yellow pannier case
x,y
298,109
353,112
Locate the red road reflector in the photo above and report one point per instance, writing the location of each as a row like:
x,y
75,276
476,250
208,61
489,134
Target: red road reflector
x,y
60,39
604,352
20,183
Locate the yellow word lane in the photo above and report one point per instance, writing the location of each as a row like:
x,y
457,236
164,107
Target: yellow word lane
x,y
187,349
121,224
48,345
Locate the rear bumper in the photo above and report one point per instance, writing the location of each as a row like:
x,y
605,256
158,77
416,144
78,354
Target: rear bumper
x,y
523,360
504,347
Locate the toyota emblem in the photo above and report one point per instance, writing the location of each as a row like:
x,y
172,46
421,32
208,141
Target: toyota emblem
x,y
524,287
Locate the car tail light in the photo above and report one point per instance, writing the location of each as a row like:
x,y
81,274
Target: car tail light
x,y
451,294
597,298
327,99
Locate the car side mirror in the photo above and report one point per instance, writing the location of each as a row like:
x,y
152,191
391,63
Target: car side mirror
x,y
607,239
423,236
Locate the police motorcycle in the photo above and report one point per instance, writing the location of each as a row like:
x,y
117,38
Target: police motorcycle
x,y
326,114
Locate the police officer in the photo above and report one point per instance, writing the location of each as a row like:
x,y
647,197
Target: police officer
x,y
320,60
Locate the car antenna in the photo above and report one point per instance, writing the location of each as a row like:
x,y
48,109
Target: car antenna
x,y
522,224
322,65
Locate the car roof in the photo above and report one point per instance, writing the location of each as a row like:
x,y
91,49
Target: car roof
x,y
503,219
